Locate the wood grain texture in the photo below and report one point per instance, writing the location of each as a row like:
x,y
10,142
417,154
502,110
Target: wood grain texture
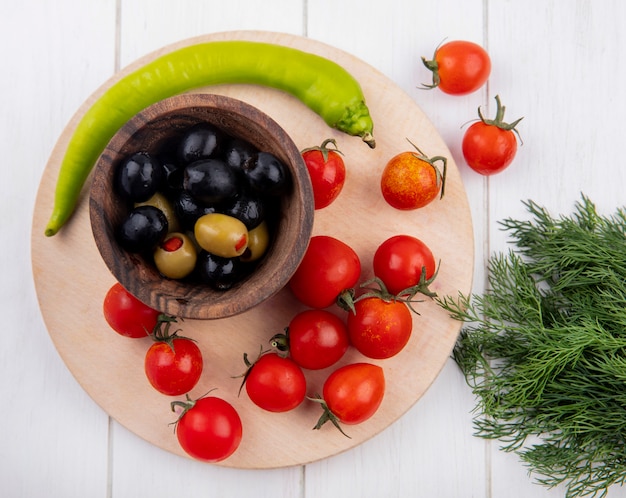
x,y
124,393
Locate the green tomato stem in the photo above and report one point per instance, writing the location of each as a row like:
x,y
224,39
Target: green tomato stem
x,y
499,119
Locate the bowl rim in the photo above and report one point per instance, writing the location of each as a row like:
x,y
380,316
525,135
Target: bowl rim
x,y
182,299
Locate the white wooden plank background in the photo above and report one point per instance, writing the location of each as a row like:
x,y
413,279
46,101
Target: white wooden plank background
x,y
558,63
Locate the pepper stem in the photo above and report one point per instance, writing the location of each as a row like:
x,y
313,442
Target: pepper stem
x,y
368,138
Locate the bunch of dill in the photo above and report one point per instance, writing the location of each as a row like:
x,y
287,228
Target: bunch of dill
x,y
544,348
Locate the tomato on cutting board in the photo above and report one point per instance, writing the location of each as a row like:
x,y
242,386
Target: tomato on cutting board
x,y
127,315
208,428
173,364
402,262
412,180
314,339
379,328
351,394
275,383
326,170
329,266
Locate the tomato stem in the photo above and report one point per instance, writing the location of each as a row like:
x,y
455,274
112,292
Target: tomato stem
x,y
281,341
327,415
161,331
375,287
346,300
186,405
433,67
422,287
324,149
441,176
499,119
249,367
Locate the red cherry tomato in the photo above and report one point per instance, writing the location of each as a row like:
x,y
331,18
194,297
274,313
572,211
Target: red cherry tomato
x,y
380,329
328,267
173,364
399,261
315,339
127,315
352,394
275,383
327,171
459,67
209,429
412,180
489,146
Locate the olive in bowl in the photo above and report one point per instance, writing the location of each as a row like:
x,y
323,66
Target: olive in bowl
x,y
204,274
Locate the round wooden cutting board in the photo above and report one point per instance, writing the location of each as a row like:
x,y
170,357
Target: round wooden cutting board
x,y
71,280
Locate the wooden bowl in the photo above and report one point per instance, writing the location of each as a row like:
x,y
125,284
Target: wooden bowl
x,y
148,131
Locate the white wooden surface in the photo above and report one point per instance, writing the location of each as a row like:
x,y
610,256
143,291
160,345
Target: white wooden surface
x,y
557,63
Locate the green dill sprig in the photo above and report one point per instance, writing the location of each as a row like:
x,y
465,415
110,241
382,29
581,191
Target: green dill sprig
x,y
544,348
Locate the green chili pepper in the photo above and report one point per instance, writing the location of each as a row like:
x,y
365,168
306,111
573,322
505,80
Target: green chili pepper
x,y
324,86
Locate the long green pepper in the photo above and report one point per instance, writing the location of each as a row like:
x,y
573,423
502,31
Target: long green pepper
x,y
322,85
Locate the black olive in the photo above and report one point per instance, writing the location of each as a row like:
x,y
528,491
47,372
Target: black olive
x,y
246,207
188,209
201,142
237,152
143,229
173,182
138,177
267,174
210,181
220,273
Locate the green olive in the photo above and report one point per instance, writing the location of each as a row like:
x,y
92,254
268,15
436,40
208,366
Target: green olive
x,y
176,256
161,202
258,242
221,235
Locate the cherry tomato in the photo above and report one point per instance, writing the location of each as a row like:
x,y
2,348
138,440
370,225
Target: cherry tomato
x,y
329,266
209,428
127,315
315,339
275,383
411,180
173,364
399,261
352,394
489,146
459,67
327,171
378,328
